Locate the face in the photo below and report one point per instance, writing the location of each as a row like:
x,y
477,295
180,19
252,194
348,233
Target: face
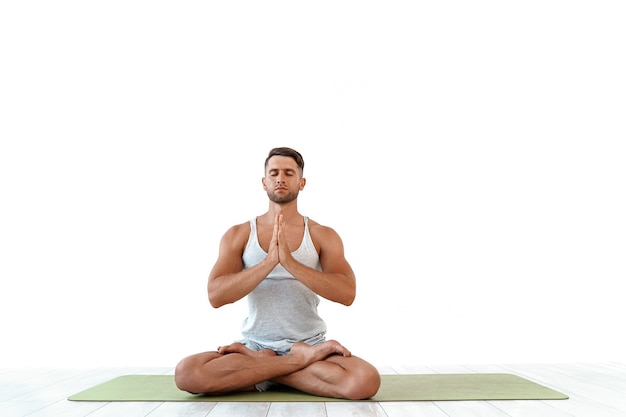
x,y
282,180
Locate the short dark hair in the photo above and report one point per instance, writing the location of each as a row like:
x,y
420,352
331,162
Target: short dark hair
x,y
283,151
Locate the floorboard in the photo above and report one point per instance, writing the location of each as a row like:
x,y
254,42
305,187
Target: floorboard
x,y
294,409
469,409
199,409
412,408
343,409
230,409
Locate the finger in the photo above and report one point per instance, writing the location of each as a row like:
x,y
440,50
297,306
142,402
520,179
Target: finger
x,y
277,225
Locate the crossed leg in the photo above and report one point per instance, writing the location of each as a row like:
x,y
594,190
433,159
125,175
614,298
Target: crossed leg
x,y
327,370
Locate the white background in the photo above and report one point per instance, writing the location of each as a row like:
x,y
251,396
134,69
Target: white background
x,y
470,154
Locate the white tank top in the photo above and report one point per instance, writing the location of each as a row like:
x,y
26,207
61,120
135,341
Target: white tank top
x,y
282,310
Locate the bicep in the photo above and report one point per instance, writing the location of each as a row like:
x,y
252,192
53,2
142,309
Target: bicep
x,y
332,256
229,259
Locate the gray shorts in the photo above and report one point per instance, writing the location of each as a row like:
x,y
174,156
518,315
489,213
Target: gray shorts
x,y
281,347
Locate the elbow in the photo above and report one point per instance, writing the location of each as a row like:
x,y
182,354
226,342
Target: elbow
x,y
350,294
348,299
215,300
219,297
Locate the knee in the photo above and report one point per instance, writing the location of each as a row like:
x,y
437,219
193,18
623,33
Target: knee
x,y
194,375
188,377
362,384
183,376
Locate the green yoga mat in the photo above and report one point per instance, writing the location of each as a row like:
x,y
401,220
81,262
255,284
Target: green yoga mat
x,y
417,387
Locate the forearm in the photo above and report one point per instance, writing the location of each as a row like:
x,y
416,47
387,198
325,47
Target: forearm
x,y
228,288
337,287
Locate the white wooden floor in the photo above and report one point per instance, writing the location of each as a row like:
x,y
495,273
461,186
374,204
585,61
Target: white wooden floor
x,y
595,390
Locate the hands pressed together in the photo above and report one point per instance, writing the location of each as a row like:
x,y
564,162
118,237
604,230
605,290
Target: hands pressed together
x,y
279,251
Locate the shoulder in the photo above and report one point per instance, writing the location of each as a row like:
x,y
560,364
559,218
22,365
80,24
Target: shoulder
x,y
240,228
327,242
237,234
322,234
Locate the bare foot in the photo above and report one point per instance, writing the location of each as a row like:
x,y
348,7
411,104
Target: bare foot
x,y
242,349
335,348
310,354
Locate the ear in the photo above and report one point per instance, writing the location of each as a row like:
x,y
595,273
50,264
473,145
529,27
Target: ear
x,y
302,183
263,182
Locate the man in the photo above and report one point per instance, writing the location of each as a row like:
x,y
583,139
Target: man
x,y
283,262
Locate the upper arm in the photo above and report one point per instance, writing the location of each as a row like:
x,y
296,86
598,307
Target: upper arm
x,y
230,254
331,251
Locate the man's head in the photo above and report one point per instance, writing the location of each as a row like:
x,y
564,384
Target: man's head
x,y
284,168
291,153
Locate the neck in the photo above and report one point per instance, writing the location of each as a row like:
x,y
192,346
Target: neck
x,y
289,211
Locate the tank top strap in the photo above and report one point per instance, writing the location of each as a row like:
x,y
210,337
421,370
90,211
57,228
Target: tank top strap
x,y
253,240
307,235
